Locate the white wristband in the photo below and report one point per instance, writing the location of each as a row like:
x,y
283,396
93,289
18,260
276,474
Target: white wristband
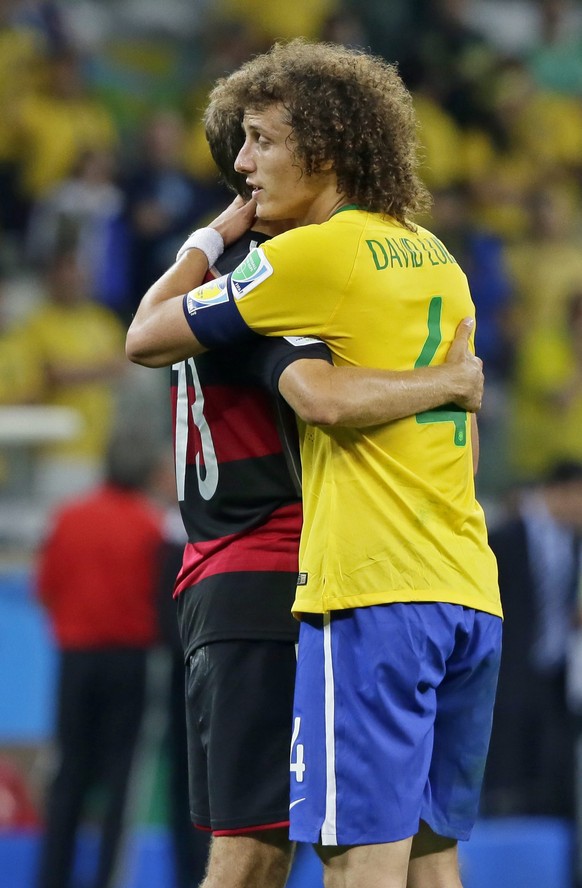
x,y
209,240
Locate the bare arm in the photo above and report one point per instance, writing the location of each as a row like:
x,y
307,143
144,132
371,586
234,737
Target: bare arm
x,y
322,394
159,333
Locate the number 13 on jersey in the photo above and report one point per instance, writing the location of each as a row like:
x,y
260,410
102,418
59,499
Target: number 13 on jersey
x,y
206,455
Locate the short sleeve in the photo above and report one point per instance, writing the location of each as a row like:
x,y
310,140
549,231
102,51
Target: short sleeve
x,y
285,288
272,355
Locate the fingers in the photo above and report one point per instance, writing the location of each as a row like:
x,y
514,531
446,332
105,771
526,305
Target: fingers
x,y
464,329
250,208
469,366
239,207
235,220
246,206
459,348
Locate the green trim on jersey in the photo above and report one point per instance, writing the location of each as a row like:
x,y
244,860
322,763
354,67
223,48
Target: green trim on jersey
x,y
343,209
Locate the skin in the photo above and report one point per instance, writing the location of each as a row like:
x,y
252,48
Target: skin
x,y
261,860
278,185
160,335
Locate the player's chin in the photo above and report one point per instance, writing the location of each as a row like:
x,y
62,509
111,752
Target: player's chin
x,y
263,214
268,212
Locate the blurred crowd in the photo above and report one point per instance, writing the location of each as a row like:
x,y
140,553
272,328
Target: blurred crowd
x,y
104,170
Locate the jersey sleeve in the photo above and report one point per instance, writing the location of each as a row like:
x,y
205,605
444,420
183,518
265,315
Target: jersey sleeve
x,y
278,290
273,355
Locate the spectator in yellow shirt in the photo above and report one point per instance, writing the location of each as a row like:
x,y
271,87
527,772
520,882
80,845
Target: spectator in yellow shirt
x,y
79,346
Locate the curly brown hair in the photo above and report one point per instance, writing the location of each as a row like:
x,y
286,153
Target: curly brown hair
x,y
344,106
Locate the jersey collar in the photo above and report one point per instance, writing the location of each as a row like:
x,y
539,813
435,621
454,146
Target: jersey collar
x,y
343,209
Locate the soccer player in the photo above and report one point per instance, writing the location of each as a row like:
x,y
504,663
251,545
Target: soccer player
x,y
242,511
400,630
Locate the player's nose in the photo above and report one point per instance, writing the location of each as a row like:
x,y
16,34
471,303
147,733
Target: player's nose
x,y
244,162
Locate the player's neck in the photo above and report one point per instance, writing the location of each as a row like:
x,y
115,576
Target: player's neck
x,y
325,205
272,229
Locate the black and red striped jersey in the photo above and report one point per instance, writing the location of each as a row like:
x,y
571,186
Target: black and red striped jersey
x,y
238,482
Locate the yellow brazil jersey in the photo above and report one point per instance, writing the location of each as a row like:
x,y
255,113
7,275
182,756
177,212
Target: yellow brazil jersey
x,y
389,512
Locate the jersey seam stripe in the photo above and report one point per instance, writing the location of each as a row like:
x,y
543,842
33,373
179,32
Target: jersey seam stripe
x,y
329,827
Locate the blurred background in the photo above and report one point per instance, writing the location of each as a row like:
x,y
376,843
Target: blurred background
x,y
104,170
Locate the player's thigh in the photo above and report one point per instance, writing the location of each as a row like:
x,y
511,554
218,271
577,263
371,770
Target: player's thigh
x,y
372,866
240,697
465,700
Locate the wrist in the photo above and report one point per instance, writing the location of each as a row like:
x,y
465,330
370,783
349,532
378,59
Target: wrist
x,y
208,240
451,381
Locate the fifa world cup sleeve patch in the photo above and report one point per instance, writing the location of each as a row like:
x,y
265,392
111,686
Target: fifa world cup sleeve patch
x,y
252,271
213,316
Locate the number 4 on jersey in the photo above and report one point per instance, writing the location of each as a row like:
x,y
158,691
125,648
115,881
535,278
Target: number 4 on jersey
x,y
448,412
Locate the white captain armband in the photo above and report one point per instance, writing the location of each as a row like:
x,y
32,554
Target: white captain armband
x,y
213,316
208,240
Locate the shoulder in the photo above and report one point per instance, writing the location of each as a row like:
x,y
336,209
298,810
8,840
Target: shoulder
x,y
237,252
295,239
315,249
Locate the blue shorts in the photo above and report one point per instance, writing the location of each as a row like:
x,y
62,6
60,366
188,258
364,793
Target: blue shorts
x,y
392,719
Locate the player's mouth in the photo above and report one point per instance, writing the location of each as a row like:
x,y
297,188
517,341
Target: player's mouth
x,y
255,189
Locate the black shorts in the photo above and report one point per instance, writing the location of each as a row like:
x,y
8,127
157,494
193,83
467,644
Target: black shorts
x,y
239,707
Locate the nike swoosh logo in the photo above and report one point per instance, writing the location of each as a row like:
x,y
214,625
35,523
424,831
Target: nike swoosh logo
x,y
296,802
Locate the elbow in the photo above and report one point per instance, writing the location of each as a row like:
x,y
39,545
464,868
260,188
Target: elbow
x,y
138,352
306,386
318,412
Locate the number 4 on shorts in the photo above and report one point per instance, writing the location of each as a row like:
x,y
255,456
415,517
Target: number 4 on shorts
x,y
448,412
297,767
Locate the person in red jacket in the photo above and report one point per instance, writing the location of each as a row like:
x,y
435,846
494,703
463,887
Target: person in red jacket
x,y
97,578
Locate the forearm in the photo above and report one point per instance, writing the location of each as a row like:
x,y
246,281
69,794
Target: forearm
x,y
159,334
358,397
